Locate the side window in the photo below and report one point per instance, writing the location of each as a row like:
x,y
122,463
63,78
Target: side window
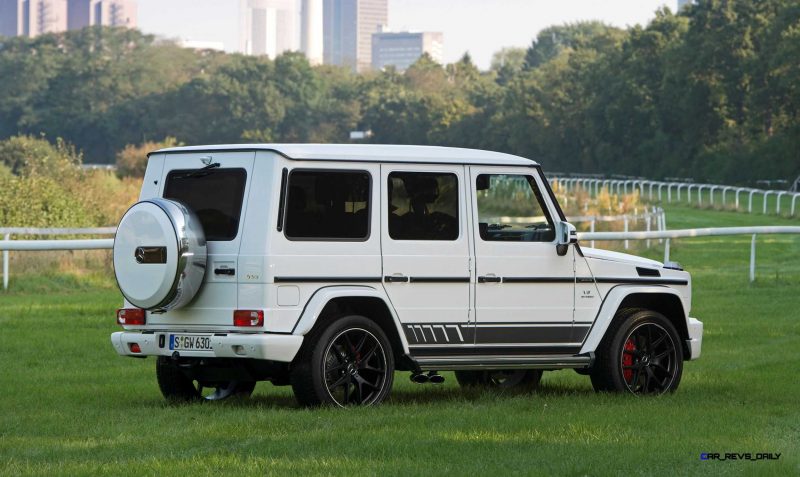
x,y
423,206
215,196
511,209
328,205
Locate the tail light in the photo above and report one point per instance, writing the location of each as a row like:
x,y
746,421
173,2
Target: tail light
x,y
130,316
135,348
248,318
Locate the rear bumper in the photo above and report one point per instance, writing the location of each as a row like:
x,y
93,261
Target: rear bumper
x,y
273,347
695,341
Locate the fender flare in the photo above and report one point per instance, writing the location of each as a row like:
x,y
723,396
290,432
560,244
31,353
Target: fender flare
x,y
611,304
320,298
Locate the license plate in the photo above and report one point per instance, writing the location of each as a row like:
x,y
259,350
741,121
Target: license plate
x,y
189,343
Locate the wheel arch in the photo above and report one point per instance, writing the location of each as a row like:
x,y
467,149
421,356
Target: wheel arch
x,y
665,300
330,303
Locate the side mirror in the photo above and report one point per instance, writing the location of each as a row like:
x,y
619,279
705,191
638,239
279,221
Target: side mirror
x,y
566,234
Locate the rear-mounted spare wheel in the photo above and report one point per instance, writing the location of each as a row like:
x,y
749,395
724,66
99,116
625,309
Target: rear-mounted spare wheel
x,y
159,255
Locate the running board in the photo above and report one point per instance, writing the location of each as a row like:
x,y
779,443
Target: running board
x,y
455,363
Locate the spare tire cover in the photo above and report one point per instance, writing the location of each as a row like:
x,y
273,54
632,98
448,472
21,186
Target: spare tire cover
x,y
159,255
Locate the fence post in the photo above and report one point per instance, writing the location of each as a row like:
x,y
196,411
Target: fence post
x,y
626,231
591,229
647,226
753,259
666,251
5,264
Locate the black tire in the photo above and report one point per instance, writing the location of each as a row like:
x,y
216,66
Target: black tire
x,y
347,362
516,379
641,353
175,386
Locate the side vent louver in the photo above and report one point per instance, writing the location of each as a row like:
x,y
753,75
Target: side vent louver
x,y
648,272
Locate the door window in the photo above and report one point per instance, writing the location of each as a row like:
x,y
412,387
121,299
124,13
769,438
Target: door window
x,y
328,205
511,209
423,206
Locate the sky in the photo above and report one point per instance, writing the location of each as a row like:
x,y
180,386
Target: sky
x,y
480,27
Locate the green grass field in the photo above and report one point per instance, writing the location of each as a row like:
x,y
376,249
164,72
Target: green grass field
x,y
70,406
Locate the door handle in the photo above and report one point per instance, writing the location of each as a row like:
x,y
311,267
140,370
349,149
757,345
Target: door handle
x,y
225,271
489,279
395,279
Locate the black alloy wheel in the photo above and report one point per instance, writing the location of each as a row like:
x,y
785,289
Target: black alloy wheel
x,y
354,368
347,362
641,354
649,360
176,386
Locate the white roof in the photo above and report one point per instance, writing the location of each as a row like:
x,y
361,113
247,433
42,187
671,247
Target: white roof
x,y
371,153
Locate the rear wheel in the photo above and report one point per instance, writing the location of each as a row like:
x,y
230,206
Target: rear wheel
x,y
522,379
640,354
176,386
348,363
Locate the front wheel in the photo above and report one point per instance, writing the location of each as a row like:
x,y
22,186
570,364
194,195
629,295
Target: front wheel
x,y
640,354
347,363
520,379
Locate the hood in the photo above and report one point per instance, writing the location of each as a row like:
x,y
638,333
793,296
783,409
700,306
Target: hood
x,y
619,257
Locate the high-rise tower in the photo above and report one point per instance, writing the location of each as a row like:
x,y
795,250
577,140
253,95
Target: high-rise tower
x,y
311,31
348,28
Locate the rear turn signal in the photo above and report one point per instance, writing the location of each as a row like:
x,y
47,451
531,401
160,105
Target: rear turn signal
x,y
130,316
248,318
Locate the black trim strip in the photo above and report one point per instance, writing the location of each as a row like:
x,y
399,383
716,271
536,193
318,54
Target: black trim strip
x,y
538,279
327,279
454,352
553,334
632,280
282,204
439,279
649,281
395,279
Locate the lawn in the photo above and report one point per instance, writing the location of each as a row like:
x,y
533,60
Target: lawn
x,y
70,406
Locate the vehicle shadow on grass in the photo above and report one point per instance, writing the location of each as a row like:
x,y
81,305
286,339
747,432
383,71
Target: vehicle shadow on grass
x,y
425,394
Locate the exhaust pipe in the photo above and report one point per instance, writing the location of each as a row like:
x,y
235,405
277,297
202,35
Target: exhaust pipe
x,y
434,378
419,378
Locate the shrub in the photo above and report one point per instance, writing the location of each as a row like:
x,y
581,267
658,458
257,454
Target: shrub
x,y
132,161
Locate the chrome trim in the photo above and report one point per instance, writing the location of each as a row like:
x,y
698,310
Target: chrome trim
x,y
192,248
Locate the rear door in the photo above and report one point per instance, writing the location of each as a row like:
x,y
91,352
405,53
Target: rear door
x,y
218,195
426,255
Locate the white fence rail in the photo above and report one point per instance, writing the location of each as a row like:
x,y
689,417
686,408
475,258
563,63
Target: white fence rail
x,y
657,188
106,244
41,245
689,233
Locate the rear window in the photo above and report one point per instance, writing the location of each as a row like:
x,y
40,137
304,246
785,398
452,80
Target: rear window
x,y
214,195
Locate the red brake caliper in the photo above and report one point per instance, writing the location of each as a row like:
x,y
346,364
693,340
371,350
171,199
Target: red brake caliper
x,y
627,360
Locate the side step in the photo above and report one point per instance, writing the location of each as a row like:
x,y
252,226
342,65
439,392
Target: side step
x,y
455,363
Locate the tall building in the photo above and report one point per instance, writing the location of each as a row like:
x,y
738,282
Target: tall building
x,y
114,13
402,49
32,17
348,26
311,31
269,27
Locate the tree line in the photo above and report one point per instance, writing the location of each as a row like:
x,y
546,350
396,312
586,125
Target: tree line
x,y
711,93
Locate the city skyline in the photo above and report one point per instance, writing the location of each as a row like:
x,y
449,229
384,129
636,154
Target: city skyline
x,y
468,28
467,25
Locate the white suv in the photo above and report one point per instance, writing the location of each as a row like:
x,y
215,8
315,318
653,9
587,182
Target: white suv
x,y
329,267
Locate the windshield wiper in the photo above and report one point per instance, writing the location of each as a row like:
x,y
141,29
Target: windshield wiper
x,y
202,172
